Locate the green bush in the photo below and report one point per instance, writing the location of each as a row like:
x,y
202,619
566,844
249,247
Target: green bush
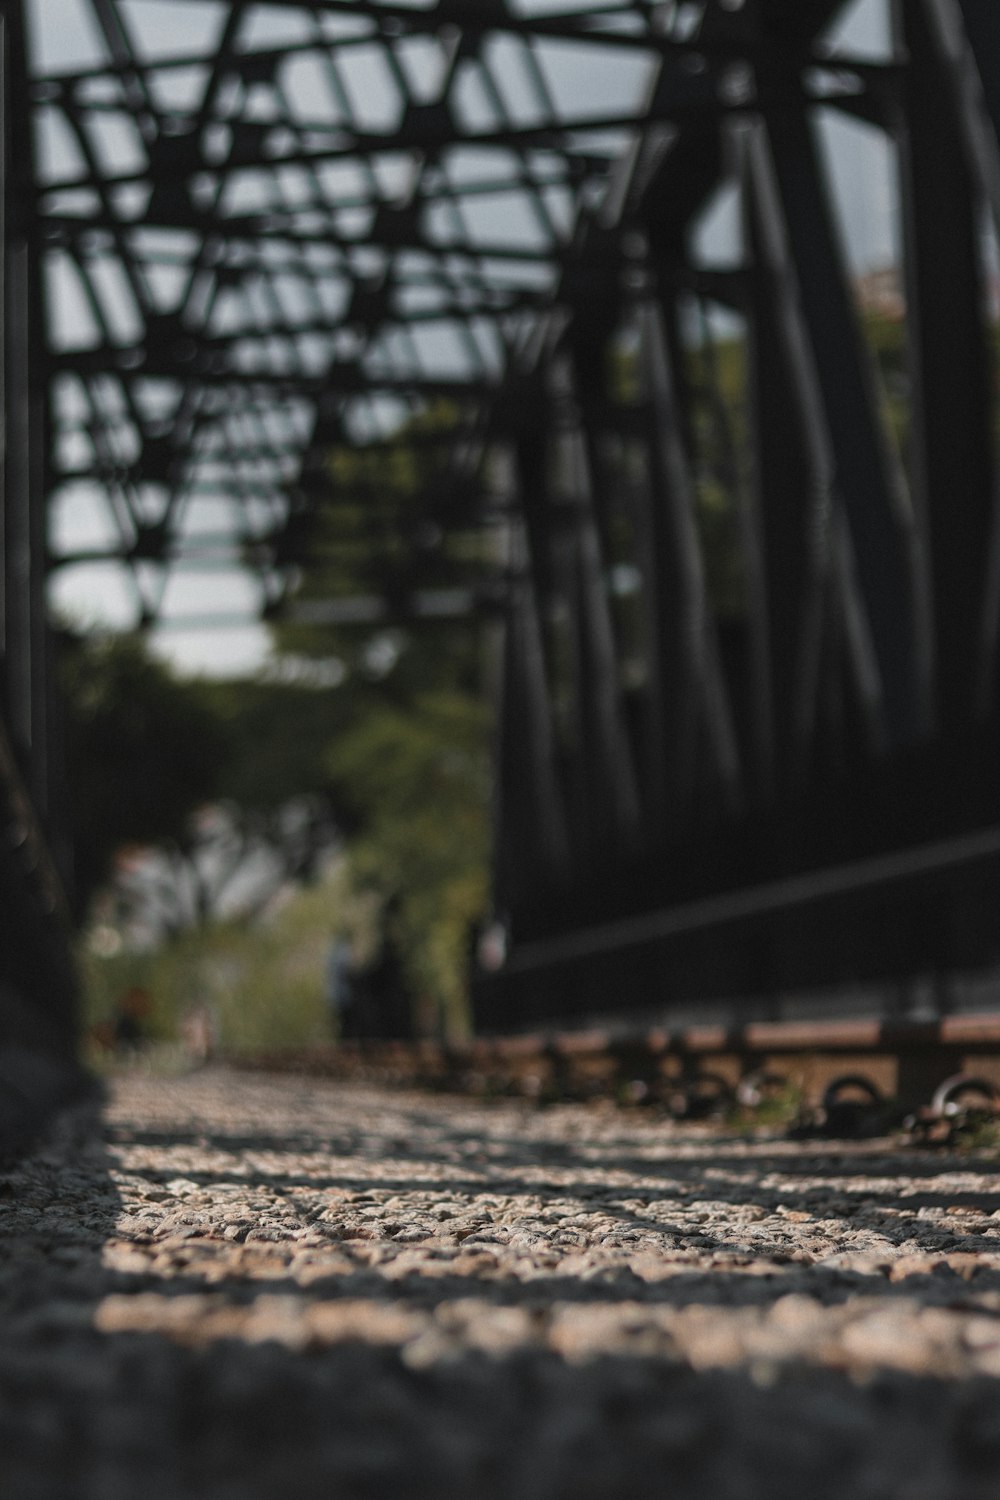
x,y
262,982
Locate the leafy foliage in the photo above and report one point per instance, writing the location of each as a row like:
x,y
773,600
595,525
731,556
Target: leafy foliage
x,y
408,756
417,777
394,757
177,787
142,751
278,734
261,984
390,521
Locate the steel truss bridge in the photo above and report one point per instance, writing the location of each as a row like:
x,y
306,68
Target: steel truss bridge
x,y
743,521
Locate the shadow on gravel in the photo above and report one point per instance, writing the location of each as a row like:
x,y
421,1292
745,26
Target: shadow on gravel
x,y
357,1423
939,1286
197,1414
822,1159
807,1199
58,1205
153,1420
919,1235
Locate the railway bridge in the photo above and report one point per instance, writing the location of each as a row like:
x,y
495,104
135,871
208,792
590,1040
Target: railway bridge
x,y
725,456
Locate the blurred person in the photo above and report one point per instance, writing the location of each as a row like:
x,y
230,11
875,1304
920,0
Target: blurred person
x,y
130,1024
386,1001
341,988
198,1034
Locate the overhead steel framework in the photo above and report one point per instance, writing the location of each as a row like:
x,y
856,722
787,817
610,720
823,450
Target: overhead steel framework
x,y
742,507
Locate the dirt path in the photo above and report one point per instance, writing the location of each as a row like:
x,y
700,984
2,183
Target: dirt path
x,y
253,1287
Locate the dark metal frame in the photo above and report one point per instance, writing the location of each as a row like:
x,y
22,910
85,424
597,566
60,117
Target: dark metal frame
x,y
723,766
811,797
37,973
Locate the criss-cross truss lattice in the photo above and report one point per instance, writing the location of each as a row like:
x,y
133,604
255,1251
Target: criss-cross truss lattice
x,y
270,228
577,268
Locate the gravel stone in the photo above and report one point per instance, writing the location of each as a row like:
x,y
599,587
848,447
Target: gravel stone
x,y
238,1288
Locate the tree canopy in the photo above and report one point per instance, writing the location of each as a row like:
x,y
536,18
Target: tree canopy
x,y
410,726
142,751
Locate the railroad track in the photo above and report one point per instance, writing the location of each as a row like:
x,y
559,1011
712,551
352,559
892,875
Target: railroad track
x,y
845,1077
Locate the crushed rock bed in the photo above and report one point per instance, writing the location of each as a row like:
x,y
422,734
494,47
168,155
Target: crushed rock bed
x,y
250,1287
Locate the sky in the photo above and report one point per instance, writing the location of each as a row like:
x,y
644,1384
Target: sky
x,y
62,38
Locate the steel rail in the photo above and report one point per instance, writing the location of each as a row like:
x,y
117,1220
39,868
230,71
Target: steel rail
x,y
776,895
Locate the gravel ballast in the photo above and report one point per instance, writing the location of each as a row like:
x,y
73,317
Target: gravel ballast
x,y
248,1286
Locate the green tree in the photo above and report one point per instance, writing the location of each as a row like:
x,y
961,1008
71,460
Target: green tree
x,y
143,750
176,785
417,777
409,727
275,787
